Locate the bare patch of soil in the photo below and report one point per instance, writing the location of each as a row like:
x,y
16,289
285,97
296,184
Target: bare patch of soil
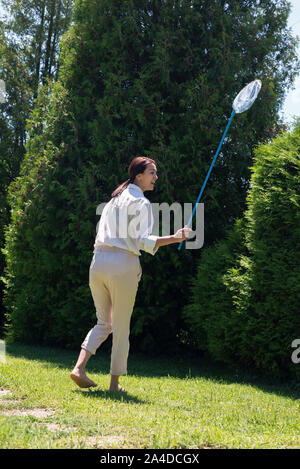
x,y
57,427
38,412
104,441
4,392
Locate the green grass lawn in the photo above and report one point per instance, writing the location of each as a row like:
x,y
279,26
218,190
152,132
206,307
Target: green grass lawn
x,y
169,403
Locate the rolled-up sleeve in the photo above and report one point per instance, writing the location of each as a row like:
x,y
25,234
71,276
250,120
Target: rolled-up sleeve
x,y
148,244
141,225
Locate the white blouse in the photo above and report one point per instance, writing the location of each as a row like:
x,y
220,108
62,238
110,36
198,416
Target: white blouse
x,y
127,222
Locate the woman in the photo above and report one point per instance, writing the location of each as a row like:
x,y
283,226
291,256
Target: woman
x,y
124,230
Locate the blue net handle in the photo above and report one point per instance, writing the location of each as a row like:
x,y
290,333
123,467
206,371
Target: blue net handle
x,y
209,171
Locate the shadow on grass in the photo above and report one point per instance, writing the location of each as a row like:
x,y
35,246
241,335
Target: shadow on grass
x,y
182,367
112,395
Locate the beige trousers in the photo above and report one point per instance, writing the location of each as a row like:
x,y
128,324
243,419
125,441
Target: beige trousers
x,y
113,278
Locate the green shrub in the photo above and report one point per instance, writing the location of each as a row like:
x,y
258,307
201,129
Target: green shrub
x,y
246,294
273,240
209,315
135,78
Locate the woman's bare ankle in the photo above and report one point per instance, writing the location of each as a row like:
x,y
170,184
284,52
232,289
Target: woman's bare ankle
x,y
114,383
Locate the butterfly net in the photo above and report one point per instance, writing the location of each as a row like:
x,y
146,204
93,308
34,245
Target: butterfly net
x,y
246,96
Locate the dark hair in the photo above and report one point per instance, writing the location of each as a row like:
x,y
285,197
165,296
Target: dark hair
x,y
137,166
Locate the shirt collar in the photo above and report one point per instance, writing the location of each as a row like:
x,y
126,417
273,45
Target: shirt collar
x,y
136,190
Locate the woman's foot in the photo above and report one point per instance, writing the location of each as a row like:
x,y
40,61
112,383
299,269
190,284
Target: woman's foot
x,y
114,384
81,379
118,388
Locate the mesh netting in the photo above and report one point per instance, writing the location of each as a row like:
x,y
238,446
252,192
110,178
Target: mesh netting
x,y
246,96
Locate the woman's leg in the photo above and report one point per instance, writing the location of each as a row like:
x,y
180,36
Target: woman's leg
x,y
114,383
99,333
78,374
123,289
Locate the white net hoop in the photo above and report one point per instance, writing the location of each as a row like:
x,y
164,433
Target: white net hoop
x,y
246,96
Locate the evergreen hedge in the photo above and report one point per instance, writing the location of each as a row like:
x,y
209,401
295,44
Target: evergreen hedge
x,y
137,77
246,295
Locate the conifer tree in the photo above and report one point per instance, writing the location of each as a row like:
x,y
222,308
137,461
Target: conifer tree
x,y
245,306
266,287
30,32
138,77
